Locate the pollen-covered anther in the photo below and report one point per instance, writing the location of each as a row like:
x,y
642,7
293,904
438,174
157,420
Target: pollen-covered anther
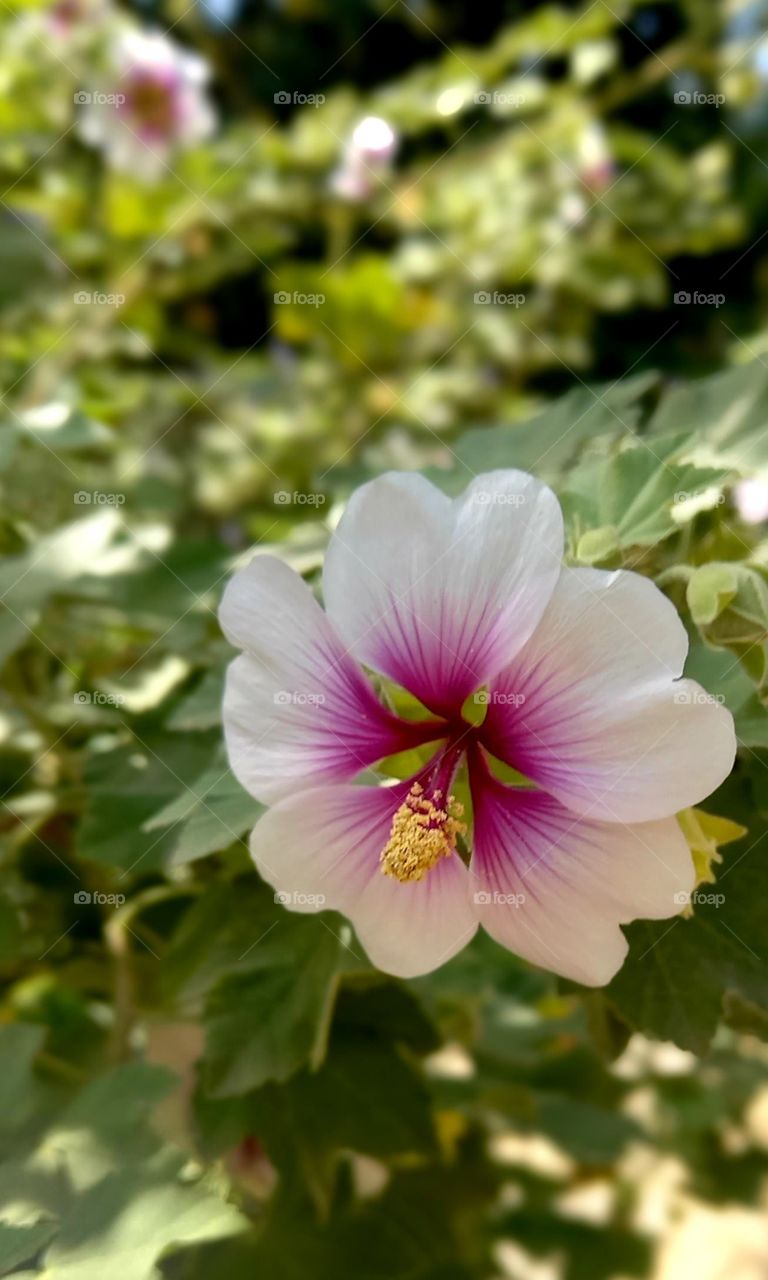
x,y
422,833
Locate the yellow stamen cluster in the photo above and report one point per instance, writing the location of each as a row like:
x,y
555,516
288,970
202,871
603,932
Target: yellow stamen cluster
x,y
422,833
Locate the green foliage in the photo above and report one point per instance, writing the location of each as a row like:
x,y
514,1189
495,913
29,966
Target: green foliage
x,y
312,1074
195,1081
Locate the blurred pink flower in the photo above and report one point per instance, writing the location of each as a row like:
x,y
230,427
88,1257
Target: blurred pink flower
x,y
66,17
751,499
367,157
574,675
155,104
596,164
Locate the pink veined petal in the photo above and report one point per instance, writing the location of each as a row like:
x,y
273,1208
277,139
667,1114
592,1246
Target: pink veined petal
x,y
320,850
591,708
438,593
297,710
554,887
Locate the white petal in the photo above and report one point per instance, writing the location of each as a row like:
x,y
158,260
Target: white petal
x,y
296,708
320,850
554,887
437,593
592,711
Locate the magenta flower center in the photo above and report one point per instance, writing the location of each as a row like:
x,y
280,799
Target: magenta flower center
x,y
152,101
427,824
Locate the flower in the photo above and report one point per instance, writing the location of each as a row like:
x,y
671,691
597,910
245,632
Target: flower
x,y
751,499
69,17
367,157
465,603
595,162
155,103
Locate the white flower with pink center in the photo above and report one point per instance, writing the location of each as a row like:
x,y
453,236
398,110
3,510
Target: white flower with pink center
x,y
155,103
751,499
366,159
69,17
578,673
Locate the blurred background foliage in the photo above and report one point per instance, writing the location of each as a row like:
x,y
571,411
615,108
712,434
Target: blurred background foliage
x,y
556,261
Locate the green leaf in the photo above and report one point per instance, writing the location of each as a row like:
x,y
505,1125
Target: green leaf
x,y
106,1125
239,952
678,971
20,1244
364,1098
11,931
591,1134
634,493
589,1252
128,786
729,411
548,442
19,1044
262,1024
210,817
729,603
27,264
201,709
58,426
597,545
124,1222
710,589
385,1008
27,581
409,1232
